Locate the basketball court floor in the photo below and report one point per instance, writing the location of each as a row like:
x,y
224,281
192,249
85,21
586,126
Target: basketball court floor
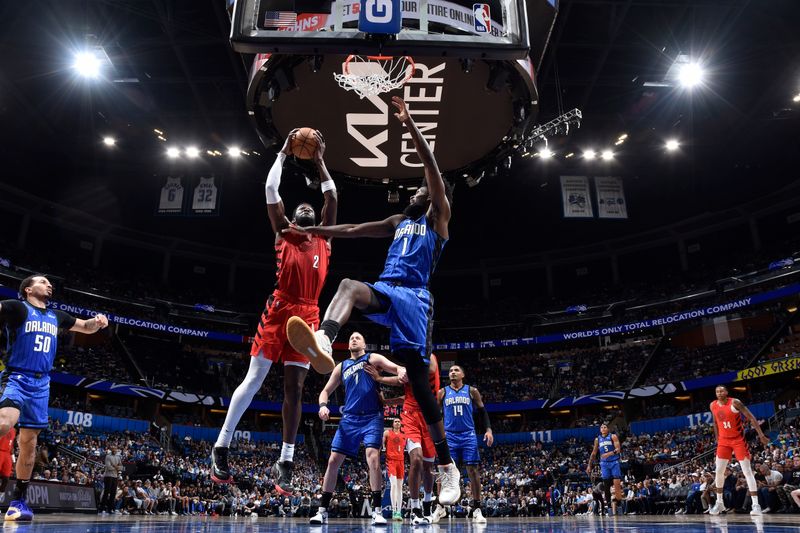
x,y
63,523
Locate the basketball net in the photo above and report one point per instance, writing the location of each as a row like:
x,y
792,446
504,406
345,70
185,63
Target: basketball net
x,y
373,75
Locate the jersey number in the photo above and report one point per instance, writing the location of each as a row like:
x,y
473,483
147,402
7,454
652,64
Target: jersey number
x,y
42,343
171,195
204,195
316,261
379,11
726,425
405,246
458,410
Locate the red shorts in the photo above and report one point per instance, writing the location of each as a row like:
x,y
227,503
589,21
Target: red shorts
x,y
416,430
270,340
396,468
737,447
5,464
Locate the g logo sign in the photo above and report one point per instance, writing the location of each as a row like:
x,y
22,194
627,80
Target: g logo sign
x,y
380,16
379,11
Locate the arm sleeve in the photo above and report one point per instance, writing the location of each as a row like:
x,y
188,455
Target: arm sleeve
x,y
274,180
482,419
12,312
65,321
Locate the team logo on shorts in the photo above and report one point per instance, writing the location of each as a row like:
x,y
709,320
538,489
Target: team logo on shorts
x,y
483,18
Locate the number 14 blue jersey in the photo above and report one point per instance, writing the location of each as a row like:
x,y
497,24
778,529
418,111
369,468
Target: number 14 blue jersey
x,y
458,409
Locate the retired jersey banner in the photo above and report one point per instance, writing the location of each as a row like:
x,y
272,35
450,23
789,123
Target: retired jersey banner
x,y
610,197
205,198
575,197
171,199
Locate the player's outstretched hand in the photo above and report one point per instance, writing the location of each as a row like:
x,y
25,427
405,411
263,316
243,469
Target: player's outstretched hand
x,y
320,151
324,413
402,375
402,109
294,229
287,145
101,321
488,438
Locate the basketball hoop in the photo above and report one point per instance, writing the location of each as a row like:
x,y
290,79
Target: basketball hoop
x,y
373,75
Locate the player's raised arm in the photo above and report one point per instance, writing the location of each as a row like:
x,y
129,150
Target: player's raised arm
x,y
382,363
275,208
433,177
392,381
333,382
328,187
93,325
742,408
381,228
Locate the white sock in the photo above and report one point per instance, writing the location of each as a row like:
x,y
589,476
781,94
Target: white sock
x,y
242,396
414,503
287,452
427,497
754,497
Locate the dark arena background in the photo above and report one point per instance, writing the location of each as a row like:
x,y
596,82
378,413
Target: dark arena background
x,y
625,237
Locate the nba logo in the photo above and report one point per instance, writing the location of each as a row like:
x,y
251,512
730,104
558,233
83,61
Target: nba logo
x,y
483,18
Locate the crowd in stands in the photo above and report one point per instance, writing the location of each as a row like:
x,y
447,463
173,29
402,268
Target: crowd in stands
x,y
98,362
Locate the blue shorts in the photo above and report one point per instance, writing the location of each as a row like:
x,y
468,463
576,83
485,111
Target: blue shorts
x,y
29,394
355,429
463,447
409,314
610,470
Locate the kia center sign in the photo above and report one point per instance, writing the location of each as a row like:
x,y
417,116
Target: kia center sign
x,y
53,496
462,119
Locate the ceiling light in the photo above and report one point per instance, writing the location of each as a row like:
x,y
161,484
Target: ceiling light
x,y
87,64
622,137
690,75
158,131
571,154
162,138
607,155
672,145
234,151
545,153
192,152
619,142
173,152
109,141
589,154
796,98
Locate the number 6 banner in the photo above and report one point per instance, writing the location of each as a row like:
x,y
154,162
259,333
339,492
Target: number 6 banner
x,y
380,16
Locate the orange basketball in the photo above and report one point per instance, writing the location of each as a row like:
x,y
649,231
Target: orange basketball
x,y
304,144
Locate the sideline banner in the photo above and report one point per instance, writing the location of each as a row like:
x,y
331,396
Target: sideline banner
x,y
54,496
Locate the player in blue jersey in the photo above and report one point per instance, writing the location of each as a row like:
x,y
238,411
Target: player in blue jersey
x,y
400,299
32,335
362,421
607,444
457,401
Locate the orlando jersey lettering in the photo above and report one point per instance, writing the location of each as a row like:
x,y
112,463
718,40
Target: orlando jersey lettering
x,y
605,445
34,341
413,254
458,409
361,395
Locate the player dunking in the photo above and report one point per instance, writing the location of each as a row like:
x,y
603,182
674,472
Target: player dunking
x,y
729,431
394,442
607,444
400,299
457,401
302,267
32,333
421,451
362,421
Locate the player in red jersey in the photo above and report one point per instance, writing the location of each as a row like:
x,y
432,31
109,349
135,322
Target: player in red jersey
x,y
6,462
729,431
421,451
302,262
394,442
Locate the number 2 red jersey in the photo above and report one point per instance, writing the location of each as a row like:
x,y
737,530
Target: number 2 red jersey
x,y
410,403
395,444
729,422
302,262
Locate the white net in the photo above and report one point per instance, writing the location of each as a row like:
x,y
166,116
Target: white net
x,y
371,75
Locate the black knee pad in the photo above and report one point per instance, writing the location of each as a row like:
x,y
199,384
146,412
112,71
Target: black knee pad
x,y
417,371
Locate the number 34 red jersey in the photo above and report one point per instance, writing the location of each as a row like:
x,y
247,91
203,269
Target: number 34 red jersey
x,y
729,422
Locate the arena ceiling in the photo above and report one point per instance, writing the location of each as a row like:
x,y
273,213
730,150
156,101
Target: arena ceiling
x,y
172,69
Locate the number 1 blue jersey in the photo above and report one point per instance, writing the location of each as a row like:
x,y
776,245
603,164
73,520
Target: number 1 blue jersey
x,y
413,254
361,393
33,343
458,409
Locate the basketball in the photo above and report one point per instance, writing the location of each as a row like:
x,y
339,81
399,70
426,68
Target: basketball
x,y
304,144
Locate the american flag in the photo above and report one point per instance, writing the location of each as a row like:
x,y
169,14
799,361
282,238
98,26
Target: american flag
x,y
279,19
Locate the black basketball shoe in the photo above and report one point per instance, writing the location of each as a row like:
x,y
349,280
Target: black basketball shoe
x,y
282,472
220,473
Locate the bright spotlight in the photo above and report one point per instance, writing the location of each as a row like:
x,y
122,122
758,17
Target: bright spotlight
x,y
192,152
796,98
545,153
109,141
672,145
173,152
607,155
87,64
589,154
234,151
690,75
